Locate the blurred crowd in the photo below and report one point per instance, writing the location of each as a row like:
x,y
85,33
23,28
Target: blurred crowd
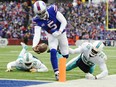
x,y
112,15
14,20
85,21
88,21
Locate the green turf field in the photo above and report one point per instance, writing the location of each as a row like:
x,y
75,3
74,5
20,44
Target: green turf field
x,y
10,53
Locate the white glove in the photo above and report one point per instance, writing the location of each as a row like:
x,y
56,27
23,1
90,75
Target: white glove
x,y
33,70
56,33
89,76
9,70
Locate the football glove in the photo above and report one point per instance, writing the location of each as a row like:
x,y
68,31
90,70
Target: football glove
x,y
33,70
56,33
90,76
9,70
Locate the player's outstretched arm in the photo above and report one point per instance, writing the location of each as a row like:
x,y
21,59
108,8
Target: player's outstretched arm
x,y
10,66
62,20
90,76
104,72
43,68
36,38
74,51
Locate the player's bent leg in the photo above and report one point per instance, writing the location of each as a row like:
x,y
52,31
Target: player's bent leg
x,y
63,45
71,64
54,62
23,50
24,45
53,44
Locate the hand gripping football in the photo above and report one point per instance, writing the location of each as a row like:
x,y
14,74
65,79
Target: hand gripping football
x,y
42,47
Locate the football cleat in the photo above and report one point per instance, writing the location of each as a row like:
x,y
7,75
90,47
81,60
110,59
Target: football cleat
x,y
57,75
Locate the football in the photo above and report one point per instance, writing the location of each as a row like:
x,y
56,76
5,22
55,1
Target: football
x,y
42,47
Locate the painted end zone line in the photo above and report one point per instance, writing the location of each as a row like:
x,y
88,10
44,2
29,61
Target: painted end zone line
x,y
20,83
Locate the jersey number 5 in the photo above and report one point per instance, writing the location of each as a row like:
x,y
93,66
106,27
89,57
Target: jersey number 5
x,y
52,25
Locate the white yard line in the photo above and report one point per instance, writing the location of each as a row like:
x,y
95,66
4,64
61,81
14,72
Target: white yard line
x,y
109,81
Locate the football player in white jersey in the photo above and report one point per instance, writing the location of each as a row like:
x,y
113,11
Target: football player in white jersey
x,y
26,62
90,55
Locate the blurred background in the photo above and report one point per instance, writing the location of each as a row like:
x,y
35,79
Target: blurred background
x,y
88,20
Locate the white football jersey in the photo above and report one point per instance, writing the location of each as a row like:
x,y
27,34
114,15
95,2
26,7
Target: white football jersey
x,y
19,64
85,49
35,63
99,59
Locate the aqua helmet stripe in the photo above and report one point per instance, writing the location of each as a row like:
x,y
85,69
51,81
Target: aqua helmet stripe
x,y
98,45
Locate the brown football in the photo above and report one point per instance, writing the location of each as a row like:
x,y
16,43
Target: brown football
x,y
42,47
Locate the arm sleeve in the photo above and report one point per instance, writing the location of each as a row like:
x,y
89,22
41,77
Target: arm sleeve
x,y
104,70
74,51
36,38
63,21
42,68
11,65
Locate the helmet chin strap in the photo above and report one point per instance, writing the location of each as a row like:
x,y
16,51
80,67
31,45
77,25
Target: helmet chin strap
x,y
46,16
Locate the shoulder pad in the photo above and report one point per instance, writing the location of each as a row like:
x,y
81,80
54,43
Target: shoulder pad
x,y
53,8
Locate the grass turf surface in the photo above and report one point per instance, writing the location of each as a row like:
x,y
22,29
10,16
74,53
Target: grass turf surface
x,y
10,53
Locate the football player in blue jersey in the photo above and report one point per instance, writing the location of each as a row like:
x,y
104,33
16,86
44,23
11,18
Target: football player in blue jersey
x,y
54,23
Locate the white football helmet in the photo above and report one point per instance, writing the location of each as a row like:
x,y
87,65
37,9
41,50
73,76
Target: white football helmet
x,y
97,47
28,60
40,9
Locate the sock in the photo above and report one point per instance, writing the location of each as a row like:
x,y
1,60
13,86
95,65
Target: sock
x,y
54,60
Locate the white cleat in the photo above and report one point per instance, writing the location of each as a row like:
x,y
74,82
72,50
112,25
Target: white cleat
x,y
57,75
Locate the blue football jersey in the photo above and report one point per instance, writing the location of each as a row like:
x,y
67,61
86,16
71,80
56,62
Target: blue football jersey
x,y
51,24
